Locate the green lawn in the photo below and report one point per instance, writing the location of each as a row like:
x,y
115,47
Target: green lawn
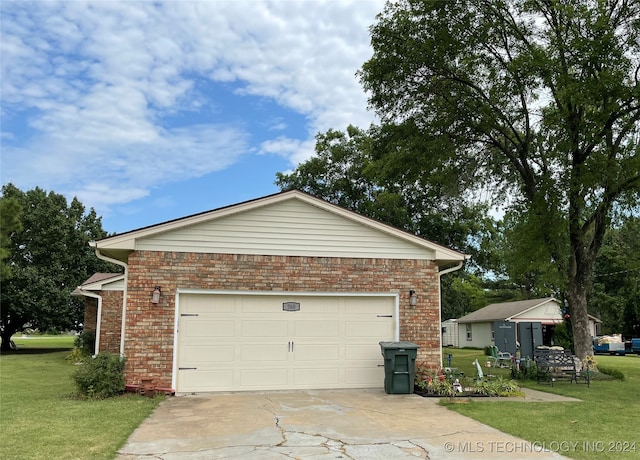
x,y
38,419
603,425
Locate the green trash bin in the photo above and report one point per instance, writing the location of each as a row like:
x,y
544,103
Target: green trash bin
x,y
399,366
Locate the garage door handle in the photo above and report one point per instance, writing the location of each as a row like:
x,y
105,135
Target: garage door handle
x,y
385,316
188,314
187,368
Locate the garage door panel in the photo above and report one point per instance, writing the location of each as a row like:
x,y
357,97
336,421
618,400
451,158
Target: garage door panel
x,y
248,342
205,380
321,306
264,378
195,328
371,329
363,377
318,328
263,328
316,377
204,354
316,352
264,352
367,352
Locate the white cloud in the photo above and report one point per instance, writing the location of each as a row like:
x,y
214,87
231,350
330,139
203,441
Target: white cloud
x,y
99,78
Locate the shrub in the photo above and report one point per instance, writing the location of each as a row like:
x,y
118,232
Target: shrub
x,y
527,371
100,377
425,376
86,341
615,373
497,387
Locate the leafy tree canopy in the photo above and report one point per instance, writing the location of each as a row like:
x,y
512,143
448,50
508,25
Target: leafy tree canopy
x,y
48,256
615,293
532,103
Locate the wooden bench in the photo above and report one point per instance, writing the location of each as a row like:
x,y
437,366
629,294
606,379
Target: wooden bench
x,y
555,365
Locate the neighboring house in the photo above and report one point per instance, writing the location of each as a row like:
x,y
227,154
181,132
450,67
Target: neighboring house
x,y
450,333
282,292
477,329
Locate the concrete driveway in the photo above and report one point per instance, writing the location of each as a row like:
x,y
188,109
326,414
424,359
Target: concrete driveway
x,y
319,425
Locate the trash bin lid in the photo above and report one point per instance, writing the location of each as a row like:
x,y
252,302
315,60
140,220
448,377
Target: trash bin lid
x,y
404,345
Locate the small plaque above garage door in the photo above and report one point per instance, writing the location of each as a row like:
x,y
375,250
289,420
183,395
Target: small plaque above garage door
x,y
291,306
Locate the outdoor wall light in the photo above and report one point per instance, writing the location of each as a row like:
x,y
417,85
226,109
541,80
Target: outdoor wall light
x,y
155,295
413,299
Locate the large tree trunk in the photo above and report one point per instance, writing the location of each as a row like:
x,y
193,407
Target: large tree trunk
x,y
6,335
581,263
582,339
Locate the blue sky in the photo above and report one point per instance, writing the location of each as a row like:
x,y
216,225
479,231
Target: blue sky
x,y
151,111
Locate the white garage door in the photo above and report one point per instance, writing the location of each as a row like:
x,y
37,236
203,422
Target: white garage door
x,y
274,342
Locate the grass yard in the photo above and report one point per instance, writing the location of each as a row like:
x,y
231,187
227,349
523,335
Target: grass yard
x,y
603,425
38,419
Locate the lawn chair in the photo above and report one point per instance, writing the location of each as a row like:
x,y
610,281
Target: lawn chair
x,y
500,358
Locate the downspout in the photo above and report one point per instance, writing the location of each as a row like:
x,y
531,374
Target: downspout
x,y
93,244
98,315
456,267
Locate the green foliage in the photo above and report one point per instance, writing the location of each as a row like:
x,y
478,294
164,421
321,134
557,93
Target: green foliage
x,y
10,214
526,371
86,341
615,294
495,387
100,377
562,335
49,256
462,293
611,371
532,105
84,346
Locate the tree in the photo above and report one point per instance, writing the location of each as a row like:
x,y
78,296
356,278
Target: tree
x,y
616,280
533,102
10,213
48,256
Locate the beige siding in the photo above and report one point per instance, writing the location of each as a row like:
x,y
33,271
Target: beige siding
x,y
292,228
547,313
480,335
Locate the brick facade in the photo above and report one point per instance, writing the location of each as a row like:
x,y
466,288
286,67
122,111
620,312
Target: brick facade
x,y
90,314
149,327
111,321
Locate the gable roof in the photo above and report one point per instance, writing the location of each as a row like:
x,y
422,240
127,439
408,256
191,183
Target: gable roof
x,y
504,311
100,281
269,231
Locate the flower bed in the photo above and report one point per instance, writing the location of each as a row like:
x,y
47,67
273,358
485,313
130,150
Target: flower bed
x,y
434,383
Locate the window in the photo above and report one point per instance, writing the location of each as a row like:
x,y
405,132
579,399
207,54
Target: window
x,y
444,330
493,334
468,327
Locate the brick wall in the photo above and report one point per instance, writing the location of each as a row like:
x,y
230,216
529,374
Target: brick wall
x,y
90,314
111,324
149,328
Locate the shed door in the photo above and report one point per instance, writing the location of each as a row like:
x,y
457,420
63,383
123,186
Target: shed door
x,y
252,342
505,336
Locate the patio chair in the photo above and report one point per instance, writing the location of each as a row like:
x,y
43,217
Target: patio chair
x,y
500,358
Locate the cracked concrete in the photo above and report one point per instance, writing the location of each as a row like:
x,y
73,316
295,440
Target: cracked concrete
x,y
317,425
